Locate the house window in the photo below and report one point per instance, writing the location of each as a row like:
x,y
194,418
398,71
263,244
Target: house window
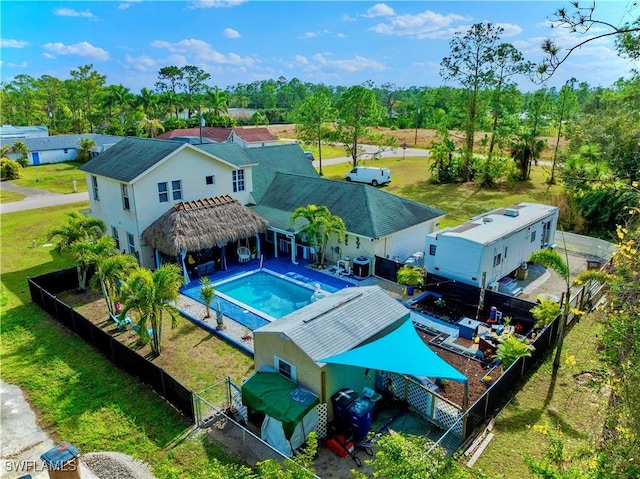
x,y
497,259
533,236
284,368
94,184
506,248
125,198
114,233
176,189
432,250
211,180
238,180
132,243
163,192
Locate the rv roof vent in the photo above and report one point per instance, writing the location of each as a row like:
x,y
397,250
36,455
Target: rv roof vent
x,y
487,219
511,212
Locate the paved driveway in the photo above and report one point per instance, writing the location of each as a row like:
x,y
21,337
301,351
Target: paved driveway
x,y
36,198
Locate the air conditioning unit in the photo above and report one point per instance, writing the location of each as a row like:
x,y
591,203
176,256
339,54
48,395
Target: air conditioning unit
x,y
511,212
493,286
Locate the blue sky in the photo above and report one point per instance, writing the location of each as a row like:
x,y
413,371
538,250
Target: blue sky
x,y
331,42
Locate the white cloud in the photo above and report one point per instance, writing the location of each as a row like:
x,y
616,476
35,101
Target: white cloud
x,y
510,29
380,10
231,33
49,56
142,63
215,4
309,35
124,6
427,24
18,65
82,49
8,43
358,63
341,35
70,12
347,18
203,52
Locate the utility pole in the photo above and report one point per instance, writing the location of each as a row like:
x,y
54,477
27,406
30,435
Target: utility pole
x,y
415,140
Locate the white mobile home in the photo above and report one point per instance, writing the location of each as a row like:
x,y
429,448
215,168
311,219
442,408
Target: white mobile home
x,y
492,245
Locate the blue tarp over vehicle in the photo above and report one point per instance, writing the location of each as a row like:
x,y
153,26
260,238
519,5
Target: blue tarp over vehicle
x,y
402,351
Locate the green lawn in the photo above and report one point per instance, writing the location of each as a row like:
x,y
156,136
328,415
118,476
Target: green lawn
x,y
54,177
10,196
79,395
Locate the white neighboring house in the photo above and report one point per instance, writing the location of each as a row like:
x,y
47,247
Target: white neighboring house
x,y
493,244
61,148
136,181
14,133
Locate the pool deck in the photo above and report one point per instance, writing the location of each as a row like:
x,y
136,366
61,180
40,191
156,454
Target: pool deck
x,y
239,323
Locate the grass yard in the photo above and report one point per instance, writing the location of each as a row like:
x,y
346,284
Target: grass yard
x,y
54,177
411,179
79,395
574,411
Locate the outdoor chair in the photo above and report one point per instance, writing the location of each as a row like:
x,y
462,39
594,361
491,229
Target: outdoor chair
x,y
121,323
137,330
244,254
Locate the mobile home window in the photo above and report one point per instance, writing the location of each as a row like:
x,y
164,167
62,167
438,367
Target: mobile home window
x,y
176,189
284,368
238,180
132,243
163,192
125,198
497,259
94,185
432,250
533,236
114,233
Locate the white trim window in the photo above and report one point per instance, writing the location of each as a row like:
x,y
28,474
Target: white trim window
x,y
163,192
116,236
238,180
132,243
126,204
210,180
176,190
288,370
94,186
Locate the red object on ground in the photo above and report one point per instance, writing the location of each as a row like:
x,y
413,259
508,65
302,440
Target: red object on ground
x,y
339,445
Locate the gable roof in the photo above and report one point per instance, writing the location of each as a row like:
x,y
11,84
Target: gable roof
x,y
340,321
287,158
196,225
365,210
255,134
61,142
131,157
229,152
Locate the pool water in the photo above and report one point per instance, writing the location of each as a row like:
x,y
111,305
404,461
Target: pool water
x,y
268,293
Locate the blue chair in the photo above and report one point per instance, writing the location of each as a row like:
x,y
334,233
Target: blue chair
x,y
121,323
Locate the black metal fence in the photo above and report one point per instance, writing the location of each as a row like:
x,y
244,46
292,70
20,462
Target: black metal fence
x,y
387,268
43,289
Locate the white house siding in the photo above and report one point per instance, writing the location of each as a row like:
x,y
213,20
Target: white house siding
x,y
455,258
188,166
54,156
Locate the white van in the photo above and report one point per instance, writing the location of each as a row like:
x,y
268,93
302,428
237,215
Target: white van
x,y
369,174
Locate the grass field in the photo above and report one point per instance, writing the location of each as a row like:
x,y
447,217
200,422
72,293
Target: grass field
x,y
54,177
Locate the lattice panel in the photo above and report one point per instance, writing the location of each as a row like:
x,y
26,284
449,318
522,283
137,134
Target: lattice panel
x,y
447,415
421,400
321,428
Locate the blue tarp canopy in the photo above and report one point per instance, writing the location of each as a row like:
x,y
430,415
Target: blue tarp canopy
x,y
402,351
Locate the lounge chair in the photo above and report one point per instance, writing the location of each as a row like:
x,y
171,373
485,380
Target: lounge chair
x,y
137,330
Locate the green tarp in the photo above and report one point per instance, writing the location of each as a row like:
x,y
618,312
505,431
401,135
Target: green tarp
x,y
278,397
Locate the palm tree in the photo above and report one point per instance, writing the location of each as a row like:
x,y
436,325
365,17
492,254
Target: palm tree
x,y
527,147
151,127
20,149
148,100
86,253
216,101
321,224
111,269
84,148
78,228
150,294
207,292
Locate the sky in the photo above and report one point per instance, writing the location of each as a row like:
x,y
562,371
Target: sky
x,y
330,42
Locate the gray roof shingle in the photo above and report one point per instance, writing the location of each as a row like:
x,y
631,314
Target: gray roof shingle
x,y
60,142
365,210
339,322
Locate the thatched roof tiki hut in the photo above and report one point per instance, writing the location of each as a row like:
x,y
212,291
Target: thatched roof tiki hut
x,y
203,225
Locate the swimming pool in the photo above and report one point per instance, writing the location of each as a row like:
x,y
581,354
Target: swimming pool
x,y
267,292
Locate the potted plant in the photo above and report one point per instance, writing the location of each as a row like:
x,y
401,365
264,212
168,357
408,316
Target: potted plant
x,y
254,252
411,277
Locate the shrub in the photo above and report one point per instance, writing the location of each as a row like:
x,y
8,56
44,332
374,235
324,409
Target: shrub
x,y
10,169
